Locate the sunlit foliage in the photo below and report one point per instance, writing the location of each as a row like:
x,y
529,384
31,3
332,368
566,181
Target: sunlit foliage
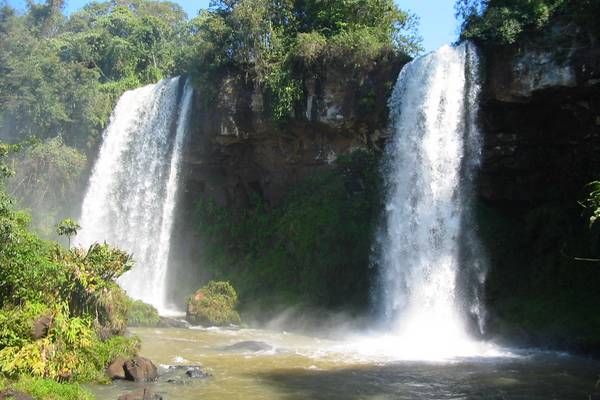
x,y
264,40
505,21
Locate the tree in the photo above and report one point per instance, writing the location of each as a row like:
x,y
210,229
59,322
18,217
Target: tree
x,y
504,22
68,228
266,40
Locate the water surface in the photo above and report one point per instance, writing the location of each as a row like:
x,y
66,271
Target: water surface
x,y
303,367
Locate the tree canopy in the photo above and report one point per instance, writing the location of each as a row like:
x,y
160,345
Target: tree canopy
x,y
505,21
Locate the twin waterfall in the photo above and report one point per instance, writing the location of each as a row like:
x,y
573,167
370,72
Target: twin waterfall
x,y
132,193
431,268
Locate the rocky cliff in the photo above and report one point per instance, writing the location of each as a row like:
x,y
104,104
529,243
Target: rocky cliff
x,y
540,114
239,157
237,151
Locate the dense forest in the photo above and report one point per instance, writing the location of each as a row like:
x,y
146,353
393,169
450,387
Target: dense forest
x,y
63,317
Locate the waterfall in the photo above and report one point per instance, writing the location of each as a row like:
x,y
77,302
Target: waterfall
x,y
429,169
132,191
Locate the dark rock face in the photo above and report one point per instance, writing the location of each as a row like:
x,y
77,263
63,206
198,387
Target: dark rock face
x,y
237,152
140,369
541,121
540,117
144,394
248,345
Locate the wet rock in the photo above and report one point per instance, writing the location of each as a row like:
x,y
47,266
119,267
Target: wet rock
x,y
166,322
175,381
249,345
116,369
140,369
196,373
190,371
144,394
14,395
41,326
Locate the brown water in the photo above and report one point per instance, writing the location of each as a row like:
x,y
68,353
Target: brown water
x,y
302,367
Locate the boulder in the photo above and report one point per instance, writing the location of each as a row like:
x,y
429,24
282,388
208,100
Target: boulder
x,y
144,394
196,372
140,369
116,369
248,345
41,326
188,371
166,322
14,395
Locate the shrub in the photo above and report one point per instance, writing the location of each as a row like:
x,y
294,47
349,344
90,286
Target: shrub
x,y
213,304
142,314
310,47
70,350
46,389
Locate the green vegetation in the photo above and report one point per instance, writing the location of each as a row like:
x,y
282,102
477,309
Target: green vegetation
x,y
59,80
537,291
593,202
506,21
142,314
273,44
312,250
46,389
68,228
60,76
214,305
61,312
48,181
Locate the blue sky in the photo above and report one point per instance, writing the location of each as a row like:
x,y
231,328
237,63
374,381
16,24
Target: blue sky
x,y
438,25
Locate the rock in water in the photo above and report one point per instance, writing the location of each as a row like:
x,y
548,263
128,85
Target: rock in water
x,y
166,322
144,394
196,373
116,369
140,369
249,345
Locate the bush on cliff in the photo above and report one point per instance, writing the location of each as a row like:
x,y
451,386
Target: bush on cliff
x,y
214,304
142,314
266,40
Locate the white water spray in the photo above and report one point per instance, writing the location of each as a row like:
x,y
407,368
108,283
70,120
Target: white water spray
x,y
132,192
430,164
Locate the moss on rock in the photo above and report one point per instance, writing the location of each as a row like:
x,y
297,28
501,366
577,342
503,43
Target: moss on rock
x,y
213,304
142,314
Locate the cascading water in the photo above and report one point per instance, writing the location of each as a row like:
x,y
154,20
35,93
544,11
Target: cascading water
x,y
132,192
429,169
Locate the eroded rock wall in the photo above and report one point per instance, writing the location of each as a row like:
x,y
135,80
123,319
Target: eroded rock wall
x,y
540,115
237,151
